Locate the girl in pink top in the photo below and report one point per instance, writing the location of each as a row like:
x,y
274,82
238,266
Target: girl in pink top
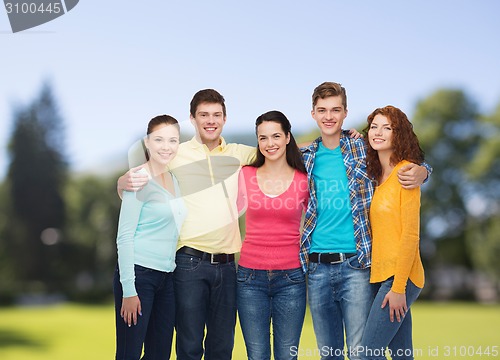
x,y
271,286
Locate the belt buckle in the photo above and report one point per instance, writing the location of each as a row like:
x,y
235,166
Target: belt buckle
x,y
342,259
212,261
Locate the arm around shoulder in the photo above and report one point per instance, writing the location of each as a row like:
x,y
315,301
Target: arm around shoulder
x,y
412,175
132,180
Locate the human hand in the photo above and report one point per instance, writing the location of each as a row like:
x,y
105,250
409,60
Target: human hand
x,y
412,176
355,134
132,180
131,307
397,305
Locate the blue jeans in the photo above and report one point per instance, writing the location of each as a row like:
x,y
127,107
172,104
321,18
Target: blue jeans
x,y
271,295
340,296
381,333
155,327
205,295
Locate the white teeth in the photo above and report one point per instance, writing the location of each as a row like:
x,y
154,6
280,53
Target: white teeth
x,y
272,150
210,129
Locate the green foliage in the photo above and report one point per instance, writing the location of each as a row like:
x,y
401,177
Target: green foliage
x,y
36,176
446,124
460,202
76,256
482,240
37,170
7,278
483,230
484,169
92,211
487,158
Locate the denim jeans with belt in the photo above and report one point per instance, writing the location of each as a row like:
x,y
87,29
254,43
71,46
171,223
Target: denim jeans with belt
x,y
265,296
380,333
155,327
340,295
205,297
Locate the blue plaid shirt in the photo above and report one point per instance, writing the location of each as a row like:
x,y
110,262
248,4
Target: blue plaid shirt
x,y
360,194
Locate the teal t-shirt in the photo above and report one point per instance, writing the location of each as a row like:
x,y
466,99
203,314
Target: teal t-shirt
x,y
334,231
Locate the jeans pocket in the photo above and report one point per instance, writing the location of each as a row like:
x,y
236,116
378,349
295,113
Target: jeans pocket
x,y
311,267
295,276
243,274
353,263
186,262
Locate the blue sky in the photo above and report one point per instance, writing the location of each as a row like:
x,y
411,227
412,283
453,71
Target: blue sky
x,y
115,64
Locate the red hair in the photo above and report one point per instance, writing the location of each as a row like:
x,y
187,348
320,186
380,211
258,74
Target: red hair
x,y
404,141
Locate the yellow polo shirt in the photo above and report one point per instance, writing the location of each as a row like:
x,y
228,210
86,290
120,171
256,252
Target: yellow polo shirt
x,y
209,186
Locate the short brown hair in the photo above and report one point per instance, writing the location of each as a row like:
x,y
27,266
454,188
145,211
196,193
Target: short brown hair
x,y
328,89
210,96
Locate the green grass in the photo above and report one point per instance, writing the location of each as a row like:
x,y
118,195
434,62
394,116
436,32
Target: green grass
x,y
76,332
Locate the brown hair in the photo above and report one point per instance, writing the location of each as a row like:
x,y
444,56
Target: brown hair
x,y
404,141
328,89
210,96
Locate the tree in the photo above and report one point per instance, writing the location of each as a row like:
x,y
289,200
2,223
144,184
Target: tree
x,y
446,123
36,176
483,235
93,208
7,265
485,165
460,204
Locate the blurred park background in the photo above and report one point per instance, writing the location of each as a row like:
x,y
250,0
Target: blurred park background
x,y
76,93
58,228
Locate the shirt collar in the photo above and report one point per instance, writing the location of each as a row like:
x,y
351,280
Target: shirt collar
x,y
195,144
344,134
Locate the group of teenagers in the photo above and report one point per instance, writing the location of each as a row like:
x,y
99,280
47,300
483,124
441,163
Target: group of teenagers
x,y
341,212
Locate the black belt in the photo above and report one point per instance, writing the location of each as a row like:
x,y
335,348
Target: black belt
x,y
213,258
330,258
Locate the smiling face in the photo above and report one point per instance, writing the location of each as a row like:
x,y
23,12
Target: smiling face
x,y
162,143
380,133
209,120
272,140
329,114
